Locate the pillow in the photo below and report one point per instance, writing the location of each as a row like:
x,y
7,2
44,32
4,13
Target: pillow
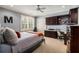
x,y
18,34
1,38
1,35
10,36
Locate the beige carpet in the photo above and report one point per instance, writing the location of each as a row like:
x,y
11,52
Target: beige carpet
x,y
51,46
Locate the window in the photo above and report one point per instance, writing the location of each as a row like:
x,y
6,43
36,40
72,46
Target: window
x,y
27,23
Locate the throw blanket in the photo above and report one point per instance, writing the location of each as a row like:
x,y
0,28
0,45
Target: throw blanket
x,y
38,33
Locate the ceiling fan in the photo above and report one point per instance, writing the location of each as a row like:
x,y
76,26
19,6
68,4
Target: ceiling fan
x,y
39,8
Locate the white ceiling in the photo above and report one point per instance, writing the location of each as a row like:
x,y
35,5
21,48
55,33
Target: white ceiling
x,y
31,9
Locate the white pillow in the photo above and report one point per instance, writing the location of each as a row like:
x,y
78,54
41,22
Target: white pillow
x,y
10,36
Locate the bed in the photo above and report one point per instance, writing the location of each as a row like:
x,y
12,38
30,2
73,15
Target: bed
x,y
27,43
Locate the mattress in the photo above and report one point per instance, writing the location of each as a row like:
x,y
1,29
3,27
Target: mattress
x,y
26,41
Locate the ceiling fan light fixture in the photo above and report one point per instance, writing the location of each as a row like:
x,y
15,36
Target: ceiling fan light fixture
x,y
40,9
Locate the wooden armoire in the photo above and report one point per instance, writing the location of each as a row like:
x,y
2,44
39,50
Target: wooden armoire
x,y
74,42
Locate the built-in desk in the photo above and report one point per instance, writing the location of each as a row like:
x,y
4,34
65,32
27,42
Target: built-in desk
x,y
50,33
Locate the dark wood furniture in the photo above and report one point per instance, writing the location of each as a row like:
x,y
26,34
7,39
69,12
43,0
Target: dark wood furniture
x,y
74,42
51,21
69,19
73,16
50,33
57,20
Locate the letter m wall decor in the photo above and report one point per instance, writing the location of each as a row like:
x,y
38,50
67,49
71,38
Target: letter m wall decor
x,y
8,19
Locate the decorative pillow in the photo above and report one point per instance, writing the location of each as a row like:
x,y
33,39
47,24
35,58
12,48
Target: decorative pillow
x,y
1,38
18,34
1,35
10,36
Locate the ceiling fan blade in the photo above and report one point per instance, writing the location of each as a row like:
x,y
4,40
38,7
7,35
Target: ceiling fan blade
x,y
41,11
42,8
38,6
